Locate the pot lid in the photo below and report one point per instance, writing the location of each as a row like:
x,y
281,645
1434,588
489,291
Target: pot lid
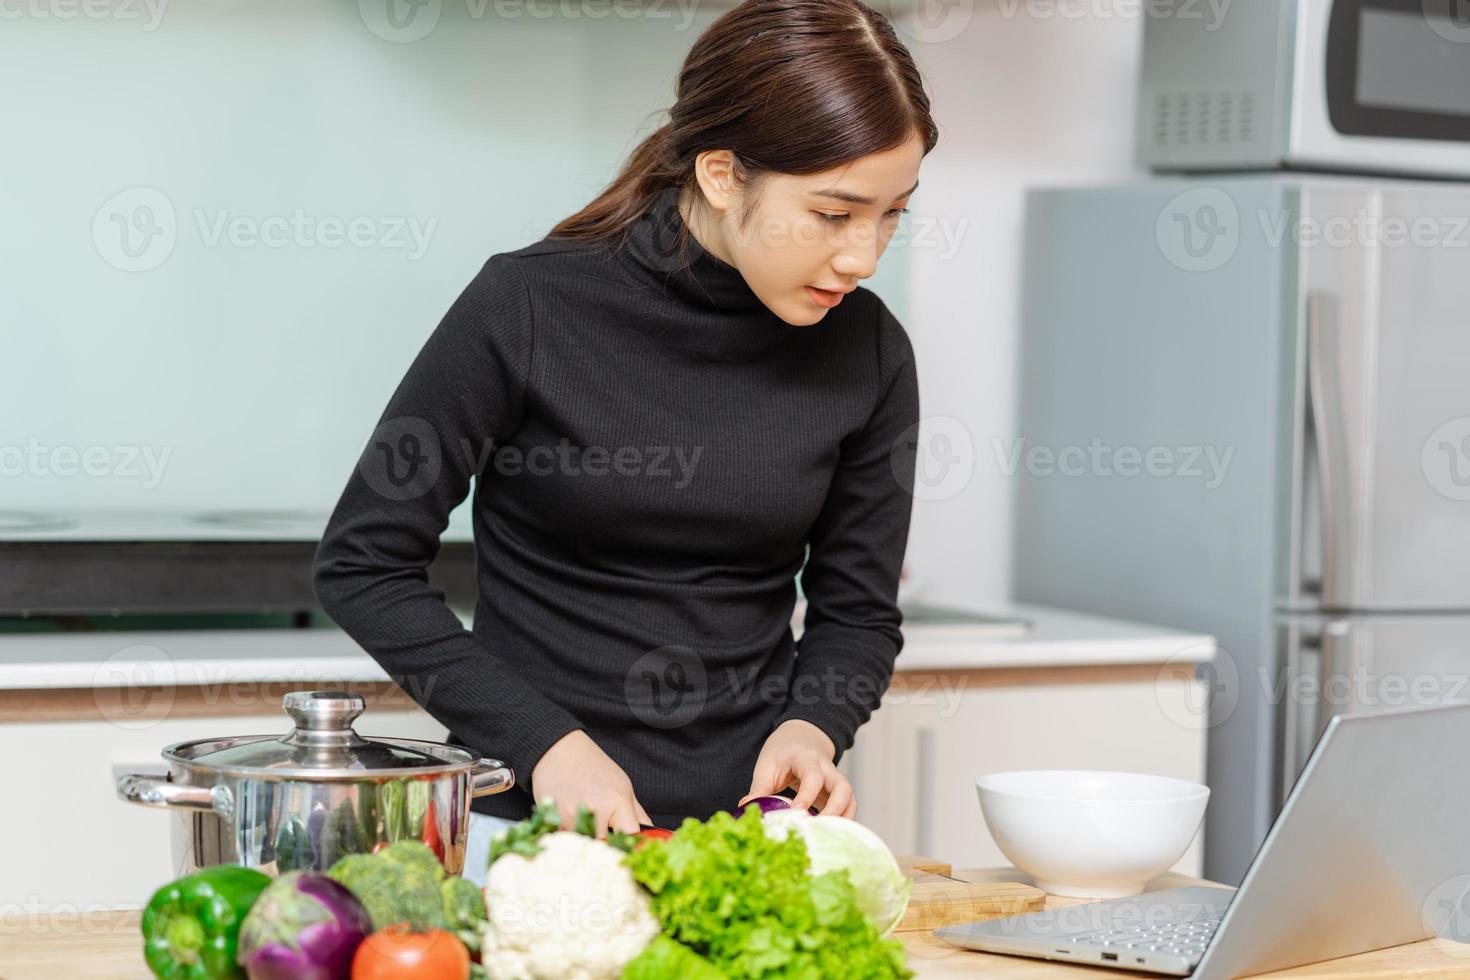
x,y
322,741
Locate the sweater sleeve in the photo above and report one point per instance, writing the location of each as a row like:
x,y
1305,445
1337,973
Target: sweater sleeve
x,y
462,392
851,633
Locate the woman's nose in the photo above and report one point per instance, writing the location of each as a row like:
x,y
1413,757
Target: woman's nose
x,y
851,267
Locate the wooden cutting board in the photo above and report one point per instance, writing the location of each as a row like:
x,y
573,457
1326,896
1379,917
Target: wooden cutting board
x,y
939,900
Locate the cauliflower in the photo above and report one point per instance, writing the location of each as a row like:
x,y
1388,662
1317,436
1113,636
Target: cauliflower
x,y
572,912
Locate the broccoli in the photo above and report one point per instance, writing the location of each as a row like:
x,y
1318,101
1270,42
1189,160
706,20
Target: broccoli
x,y
396,885
464,903
414,854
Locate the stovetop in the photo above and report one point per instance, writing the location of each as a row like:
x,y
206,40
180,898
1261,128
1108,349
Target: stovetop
x,y
117,562
168,525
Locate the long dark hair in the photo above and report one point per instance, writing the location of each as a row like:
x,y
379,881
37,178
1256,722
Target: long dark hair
x,y
788,86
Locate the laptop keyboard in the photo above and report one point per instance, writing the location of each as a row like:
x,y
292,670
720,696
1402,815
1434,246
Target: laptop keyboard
x,y
1181,938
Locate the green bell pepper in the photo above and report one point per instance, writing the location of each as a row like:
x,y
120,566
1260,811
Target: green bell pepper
x,y
191,927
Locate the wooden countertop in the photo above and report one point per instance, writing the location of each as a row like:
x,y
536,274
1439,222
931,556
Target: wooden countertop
x,y
106,946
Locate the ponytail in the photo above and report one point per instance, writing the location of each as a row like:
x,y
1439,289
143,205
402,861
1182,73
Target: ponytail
x,y
649,170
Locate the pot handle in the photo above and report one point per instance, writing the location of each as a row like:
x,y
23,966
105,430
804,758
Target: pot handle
x,y
490,776
153,791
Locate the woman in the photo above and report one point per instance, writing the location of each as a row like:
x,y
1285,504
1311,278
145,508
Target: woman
x,y
665,404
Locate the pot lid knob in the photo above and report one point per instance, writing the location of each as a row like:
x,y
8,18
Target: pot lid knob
x,y
323,711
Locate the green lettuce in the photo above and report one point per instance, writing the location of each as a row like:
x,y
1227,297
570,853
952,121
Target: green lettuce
x,y
664,959
749,906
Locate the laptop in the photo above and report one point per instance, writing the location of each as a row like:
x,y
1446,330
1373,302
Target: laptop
x,y
1370,850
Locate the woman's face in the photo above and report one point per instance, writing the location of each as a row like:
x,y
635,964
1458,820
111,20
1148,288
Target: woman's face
x,y
820,231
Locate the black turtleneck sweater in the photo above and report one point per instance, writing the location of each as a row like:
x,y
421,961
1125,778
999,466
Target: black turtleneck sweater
x,y
653,452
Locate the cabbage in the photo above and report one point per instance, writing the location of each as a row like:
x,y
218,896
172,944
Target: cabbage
x,y
841,844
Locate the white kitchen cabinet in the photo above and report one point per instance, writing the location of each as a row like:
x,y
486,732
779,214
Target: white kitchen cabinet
x,y
915,763
70,844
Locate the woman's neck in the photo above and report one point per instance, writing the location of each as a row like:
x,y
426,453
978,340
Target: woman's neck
x,y
696,218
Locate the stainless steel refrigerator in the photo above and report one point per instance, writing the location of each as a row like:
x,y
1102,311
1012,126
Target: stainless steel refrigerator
x,y
1245,409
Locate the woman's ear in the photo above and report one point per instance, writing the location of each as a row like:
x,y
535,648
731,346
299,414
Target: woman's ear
x,y
714,170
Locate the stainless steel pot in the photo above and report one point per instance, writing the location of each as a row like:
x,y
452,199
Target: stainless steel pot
x,y
304,799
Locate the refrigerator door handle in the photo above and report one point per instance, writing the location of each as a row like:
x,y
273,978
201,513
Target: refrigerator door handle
x,y
1324,668
1302,658
1343,674
1328,401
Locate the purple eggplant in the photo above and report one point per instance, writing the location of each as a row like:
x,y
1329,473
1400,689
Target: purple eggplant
x,y
304,926
769,803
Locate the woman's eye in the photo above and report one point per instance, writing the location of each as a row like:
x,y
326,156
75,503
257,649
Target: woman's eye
x,y
838,218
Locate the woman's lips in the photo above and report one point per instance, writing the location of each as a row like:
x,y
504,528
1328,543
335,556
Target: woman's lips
x,y
824,297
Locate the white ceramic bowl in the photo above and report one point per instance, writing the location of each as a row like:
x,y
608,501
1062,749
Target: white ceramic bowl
x,y
1091,834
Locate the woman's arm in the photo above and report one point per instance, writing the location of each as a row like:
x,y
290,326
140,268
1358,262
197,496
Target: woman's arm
x,y
463,392
846,652
851,635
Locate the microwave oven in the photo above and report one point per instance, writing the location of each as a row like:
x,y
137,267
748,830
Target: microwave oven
x,y
1357,86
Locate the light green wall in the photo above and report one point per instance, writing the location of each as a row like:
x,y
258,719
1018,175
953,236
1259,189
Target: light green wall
x,y
259,370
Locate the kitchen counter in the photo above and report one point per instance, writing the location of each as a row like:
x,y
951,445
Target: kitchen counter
x,y
110,700
89,660
105,945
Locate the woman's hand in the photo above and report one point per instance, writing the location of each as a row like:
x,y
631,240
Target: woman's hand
x,y
799,755
576,771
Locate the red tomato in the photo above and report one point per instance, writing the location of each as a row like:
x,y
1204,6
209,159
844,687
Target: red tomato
x,y
652,833
395,953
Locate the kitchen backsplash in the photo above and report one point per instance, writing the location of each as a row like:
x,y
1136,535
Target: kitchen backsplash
x,y
241,220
